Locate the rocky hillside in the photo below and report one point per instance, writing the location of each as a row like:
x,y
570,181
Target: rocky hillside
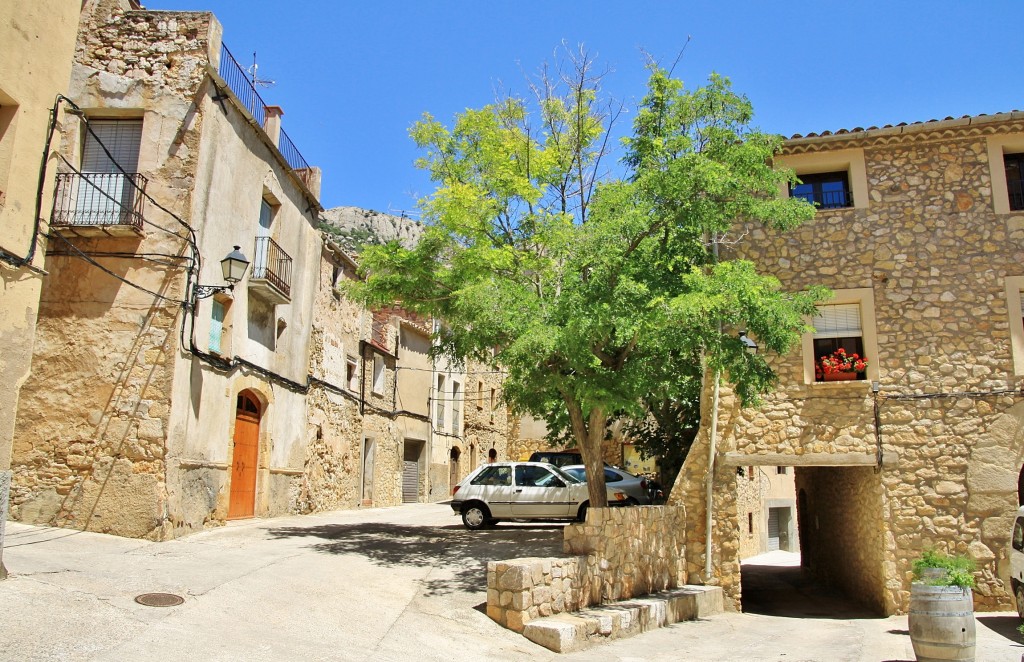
x,y
353,227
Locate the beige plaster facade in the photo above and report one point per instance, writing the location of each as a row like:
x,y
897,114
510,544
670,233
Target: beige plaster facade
x,y
930,254
128,424
36,44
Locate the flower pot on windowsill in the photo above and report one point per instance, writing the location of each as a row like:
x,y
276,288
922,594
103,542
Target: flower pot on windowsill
x,y
839,376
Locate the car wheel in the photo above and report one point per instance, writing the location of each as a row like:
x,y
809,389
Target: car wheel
x,y
581,514
1019,594
475,516
632,502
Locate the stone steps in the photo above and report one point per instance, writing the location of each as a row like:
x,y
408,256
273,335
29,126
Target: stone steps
x,y
567,632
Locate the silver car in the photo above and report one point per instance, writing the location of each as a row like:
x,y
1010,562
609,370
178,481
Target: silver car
x,y
624,488
520,491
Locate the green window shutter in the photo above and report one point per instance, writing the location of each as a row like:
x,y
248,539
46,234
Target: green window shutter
x,y
216,326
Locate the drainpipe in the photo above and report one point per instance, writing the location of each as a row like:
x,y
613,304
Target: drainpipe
x,y
710,496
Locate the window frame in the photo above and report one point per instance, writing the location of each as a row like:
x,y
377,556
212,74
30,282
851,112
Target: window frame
x,y
850,161
999,147
865,297
817,180
1015,312
377,385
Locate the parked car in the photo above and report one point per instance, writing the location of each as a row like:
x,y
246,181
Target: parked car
x,y
1017,561
519,491
558,458
623,487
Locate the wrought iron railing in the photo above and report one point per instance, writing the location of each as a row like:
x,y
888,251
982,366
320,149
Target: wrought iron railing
x,y
272,264
99,198
238,80
1016,188
827,199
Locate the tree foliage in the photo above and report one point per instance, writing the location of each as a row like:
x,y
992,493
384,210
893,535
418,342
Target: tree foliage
x,y
597,290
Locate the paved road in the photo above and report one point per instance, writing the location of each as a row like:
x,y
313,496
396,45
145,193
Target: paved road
x,y
403,583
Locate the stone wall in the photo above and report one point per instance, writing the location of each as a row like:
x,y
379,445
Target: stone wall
x,y
843,517
930,260
618,553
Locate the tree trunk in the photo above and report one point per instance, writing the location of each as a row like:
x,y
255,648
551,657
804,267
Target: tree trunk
x,y
589,435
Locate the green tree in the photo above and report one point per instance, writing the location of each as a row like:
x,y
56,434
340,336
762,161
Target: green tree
x,y
595,289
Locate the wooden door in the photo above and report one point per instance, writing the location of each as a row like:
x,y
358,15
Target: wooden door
x,y
242,502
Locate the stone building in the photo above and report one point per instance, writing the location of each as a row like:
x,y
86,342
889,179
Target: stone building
x,y
161,401
919,234
36,43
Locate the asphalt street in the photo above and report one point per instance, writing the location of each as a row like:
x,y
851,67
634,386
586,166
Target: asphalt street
x,y
403,583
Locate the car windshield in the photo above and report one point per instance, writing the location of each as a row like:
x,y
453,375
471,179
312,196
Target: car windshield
x,y
570,475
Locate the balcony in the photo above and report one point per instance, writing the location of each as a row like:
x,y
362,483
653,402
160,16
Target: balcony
x,y
271,272
99,204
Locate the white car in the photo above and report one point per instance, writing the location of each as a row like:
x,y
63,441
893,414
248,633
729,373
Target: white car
x,y
1017,561
520,491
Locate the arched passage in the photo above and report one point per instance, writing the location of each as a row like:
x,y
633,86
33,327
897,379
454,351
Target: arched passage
x,y
453,467
245,456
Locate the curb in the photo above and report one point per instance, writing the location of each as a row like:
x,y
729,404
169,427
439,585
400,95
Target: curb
x,y
564,633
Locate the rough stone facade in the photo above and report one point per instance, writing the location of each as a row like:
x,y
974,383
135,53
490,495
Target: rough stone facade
x,y
613,559
618,553
930,252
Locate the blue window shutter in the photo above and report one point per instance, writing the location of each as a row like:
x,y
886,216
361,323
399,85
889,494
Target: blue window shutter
x,y
216,326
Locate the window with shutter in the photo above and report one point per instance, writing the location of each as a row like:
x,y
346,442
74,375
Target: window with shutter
x,y
837,328
110,156
216,327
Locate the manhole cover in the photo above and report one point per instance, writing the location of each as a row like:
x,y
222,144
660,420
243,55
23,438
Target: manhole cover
x,y
159,599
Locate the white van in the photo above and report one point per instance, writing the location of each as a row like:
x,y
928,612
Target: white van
x,y
1017,561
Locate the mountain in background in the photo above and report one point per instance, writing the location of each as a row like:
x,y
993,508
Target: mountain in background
x,y
353,228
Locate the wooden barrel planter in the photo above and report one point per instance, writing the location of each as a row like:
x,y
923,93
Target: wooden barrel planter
x,y
942,623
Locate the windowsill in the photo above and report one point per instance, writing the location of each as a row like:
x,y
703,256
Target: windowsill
x,y
843,384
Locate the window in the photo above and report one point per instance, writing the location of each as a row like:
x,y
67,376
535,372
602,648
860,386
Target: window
x,y
456,407
1015,307
494,397
498,476
351,374
110,160
439,404
863,327
750,474
1006,167
1018,535
826,190
1014,164
218,312
611,477
838,330
780,471
480,394
378,374
528,475
750,523
831,179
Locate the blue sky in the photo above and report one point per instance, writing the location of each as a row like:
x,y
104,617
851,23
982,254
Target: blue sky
x,y
353,76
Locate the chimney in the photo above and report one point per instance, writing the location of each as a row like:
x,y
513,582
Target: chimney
x,y
272,123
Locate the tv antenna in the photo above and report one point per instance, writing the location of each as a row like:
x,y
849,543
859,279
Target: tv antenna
x,y
256,80
404,213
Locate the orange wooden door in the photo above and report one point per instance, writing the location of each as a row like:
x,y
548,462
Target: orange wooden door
x,y
242,502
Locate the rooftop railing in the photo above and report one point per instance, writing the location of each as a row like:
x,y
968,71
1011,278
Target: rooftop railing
x,y
238,80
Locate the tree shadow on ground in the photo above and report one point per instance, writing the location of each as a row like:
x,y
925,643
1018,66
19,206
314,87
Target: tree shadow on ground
x,y
790,591
1004,625
459,555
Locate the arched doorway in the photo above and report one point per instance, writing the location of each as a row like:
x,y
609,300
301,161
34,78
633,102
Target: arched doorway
x,y
245,457
453,468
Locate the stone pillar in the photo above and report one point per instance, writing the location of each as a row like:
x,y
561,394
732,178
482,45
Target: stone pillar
x,y
272,123
5,490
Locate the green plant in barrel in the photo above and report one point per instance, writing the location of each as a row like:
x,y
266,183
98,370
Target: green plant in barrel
x,y
949,570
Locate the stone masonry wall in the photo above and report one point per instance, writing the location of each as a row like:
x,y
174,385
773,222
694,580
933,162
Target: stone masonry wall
x,y
617,554
929,246
93,417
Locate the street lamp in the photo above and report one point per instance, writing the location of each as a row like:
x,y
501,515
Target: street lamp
x,y
233,268
748,344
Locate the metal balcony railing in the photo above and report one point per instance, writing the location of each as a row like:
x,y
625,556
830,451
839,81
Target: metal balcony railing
x,y
1016,189
94,199
827,199
238,80
273,265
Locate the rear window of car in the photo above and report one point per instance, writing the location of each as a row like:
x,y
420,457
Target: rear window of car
x,y
1018,534
579,473
494,476
611,477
